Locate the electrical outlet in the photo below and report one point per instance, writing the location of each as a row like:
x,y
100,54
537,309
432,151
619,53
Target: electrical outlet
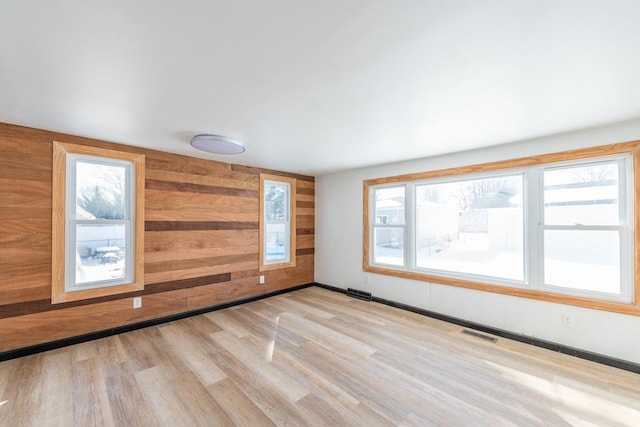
x,y
567,320
262,280
137,302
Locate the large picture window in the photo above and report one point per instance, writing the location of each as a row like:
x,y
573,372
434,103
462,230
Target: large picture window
x,y
277,222
546,228
97,223
472,226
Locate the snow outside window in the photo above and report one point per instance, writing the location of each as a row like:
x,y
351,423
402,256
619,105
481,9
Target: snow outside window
x,y
98,222
277,222
560,228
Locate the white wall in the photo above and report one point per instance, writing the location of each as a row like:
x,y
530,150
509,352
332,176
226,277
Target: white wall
x,y
338,251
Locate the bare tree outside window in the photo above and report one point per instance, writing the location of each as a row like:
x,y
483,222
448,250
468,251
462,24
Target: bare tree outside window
x,y
483,189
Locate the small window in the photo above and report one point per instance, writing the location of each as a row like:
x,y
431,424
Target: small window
x,y
97,224
277,222
388,234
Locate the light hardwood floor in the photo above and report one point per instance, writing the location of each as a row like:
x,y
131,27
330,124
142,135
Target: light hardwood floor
x,y
311,357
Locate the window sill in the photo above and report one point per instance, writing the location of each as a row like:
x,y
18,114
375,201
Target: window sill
x,y
596,304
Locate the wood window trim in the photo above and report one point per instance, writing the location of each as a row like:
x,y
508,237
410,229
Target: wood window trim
x,y
632,148
292,222
59,294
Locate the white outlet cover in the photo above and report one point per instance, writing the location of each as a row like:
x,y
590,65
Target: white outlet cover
x,y
137,302
262,280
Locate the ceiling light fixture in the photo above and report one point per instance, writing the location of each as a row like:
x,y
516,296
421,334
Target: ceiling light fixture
x,y
217,144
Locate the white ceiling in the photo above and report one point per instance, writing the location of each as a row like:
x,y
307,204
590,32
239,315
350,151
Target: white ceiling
x,y
314,86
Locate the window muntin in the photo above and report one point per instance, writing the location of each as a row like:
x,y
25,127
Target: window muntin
x,y
97,222
556,203
388,228
277,222
472,226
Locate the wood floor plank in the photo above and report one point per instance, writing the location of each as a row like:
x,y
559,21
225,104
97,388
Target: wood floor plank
x,y
259,365
312,379
423,362
226,322
53,391
327,337
20,393
192,354
237,405
126,399
181,400
160,396
89,393
301,309
320,412
312,357
275,406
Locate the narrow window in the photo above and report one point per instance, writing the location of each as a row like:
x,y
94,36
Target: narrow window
x,y
389,225
277,222
97,223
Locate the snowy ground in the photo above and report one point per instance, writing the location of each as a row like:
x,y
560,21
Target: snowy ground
x,y
472,255
92,270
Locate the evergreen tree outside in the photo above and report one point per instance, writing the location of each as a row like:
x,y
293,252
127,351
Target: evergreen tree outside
x,y
102,191
101,204
275,203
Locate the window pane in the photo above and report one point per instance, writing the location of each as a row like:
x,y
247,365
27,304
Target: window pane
x,y
472,227
100,191
100,253
276,201
584,260
389,246
581,195
389,205
276,238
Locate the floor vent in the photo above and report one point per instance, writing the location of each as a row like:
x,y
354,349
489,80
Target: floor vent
x,y
479,335
366,296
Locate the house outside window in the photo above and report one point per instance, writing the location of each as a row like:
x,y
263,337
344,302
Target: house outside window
x,y
558,227
388,228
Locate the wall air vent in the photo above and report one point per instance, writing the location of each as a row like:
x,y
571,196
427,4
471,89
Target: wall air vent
x,y
366,296
479,335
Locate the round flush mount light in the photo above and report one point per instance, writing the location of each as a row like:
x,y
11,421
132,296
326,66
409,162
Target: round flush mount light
x,y
217,144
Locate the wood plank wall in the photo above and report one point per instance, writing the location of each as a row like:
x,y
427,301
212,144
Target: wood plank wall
x,y
201,240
